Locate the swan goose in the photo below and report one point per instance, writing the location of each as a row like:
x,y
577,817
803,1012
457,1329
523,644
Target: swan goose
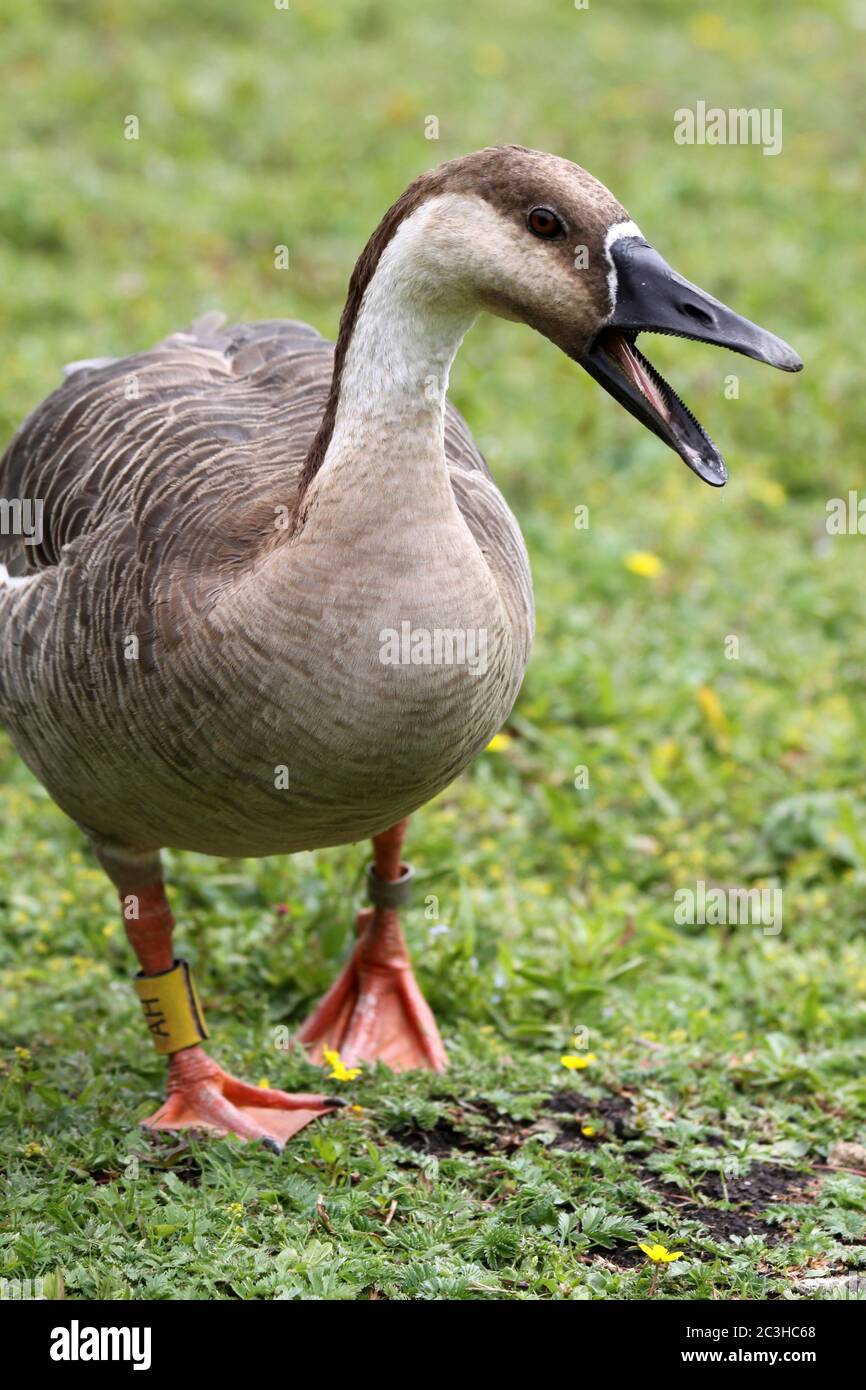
x,y
225,637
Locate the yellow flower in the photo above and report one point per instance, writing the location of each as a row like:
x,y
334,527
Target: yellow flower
x,y
644,563
23,1054
235,1209
575,1063
356,1109
711,709
33,1150
587,1130
498,743
659,1255
340,1071
264,1084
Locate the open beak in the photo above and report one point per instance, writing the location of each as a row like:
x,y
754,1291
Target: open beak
x,y
652,298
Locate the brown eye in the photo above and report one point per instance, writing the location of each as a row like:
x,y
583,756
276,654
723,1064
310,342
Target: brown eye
x,y
544,223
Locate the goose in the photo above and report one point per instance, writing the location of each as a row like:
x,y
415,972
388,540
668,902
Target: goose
x,y
275,600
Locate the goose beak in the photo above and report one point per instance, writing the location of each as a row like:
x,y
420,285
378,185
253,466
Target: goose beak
x,y
650,297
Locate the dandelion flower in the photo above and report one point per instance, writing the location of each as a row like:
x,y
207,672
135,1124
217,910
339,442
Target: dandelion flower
x,y
339,1072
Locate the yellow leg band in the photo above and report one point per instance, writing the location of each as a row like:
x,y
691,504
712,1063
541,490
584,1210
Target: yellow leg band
x,y
171,1008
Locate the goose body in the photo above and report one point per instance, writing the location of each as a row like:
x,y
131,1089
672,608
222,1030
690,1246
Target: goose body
x,y
185,667
277,602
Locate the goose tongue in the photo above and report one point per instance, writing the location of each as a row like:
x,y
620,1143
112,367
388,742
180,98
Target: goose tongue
x,y
622,351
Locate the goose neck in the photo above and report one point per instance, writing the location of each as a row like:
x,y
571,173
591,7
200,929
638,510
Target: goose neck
x,y
392,380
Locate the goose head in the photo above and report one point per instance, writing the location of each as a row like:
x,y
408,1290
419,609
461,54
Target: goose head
x,y
531,237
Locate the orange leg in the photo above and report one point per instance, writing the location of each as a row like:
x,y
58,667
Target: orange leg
x,y
200,1094
375,1010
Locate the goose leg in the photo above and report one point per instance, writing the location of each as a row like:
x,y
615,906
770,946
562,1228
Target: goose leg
x,y
375,1010
200,1094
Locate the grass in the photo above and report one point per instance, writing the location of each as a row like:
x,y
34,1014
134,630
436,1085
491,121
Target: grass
x,y
728,1062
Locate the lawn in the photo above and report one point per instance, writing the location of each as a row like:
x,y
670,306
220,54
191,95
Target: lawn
x,y
722,1066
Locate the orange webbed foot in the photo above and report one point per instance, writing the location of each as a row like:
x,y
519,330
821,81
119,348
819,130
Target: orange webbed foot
x,y
202,1096
375,1010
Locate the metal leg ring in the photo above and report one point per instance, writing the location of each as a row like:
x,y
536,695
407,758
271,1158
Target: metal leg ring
x,y
395,893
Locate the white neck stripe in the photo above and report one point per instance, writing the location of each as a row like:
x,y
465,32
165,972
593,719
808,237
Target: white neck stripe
x,y
617,232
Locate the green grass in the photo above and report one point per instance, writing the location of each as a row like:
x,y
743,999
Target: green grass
x,y
728,1063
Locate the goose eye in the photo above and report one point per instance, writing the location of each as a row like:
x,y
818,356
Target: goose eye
x,y
544,223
